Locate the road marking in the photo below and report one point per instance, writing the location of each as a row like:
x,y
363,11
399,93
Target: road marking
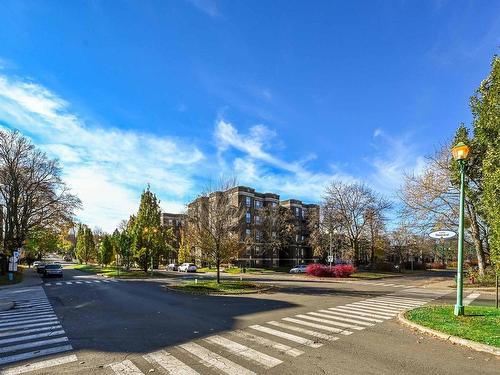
x,y
21,318
244,351
211,359
87,282
68,283
34,354
168,362
392,303
315,325
33,344
328,321
125,367
33,305
287,336
399,300
357,312
282,348
31,337
78,282
470,298
58,283
329,316
26,326
40,365
25,312
2,326
371,306
47,284
309,332
17,331
370,309
350,315
96,281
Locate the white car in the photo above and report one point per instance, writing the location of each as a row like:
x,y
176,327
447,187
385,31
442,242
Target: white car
x,y
301,268
187,267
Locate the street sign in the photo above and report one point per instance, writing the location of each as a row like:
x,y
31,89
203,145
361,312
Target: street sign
x,y
330,258
442,234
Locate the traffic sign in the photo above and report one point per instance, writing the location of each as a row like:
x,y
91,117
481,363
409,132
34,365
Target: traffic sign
x,y
330,258
442,234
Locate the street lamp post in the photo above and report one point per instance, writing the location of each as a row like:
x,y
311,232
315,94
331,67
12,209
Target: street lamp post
x,y
460,153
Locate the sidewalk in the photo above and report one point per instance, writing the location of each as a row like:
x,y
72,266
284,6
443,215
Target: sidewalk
x,y
30,279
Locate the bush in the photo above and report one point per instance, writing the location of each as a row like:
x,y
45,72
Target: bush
x,y
437,266
321,270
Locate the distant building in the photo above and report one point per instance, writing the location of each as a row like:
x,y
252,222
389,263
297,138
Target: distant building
x,y
176,222
257,253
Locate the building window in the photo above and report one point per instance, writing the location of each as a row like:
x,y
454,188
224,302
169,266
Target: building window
x,y
297,211
248,232
248,217
257,219
258,204
273,204
303,213
302,238
248,201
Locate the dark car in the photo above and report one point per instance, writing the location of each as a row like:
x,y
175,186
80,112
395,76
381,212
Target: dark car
x,y
40,267
53,270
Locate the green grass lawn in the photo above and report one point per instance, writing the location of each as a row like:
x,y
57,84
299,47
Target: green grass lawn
x,y
480,323
374,275
113,272
225,287
238,270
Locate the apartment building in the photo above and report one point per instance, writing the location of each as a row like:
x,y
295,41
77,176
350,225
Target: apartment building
x,y
255,233
175,221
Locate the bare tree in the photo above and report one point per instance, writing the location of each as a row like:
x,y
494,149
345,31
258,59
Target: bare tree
x,y
213,224
431,202
347,204
31,190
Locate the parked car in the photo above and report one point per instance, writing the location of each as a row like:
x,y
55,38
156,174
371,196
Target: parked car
x,y
300,268
40,267
187,267
53,270
67,258
172,267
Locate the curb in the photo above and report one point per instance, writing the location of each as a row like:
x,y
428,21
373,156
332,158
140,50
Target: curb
x,y
453,339
173,289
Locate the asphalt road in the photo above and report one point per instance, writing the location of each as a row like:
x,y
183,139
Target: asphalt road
x,y
113,326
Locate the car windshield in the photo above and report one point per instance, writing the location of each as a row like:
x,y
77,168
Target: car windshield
x,y
53,266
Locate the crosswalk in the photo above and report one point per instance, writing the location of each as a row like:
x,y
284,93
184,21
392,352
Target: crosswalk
x,y
81,282
31,329
261,347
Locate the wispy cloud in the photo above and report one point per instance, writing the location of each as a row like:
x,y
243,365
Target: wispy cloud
x,y
208,7
107,168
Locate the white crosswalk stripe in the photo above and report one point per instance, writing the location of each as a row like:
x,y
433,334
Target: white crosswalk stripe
x,y
354,312
244,351
369,309
211,359
316,325
374,307
287,336
470,298
328,321
318,335
329,316
29,331
125,367
40,365
363,318
168,362
282,348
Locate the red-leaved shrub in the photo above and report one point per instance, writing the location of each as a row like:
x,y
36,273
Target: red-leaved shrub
x,y
321,270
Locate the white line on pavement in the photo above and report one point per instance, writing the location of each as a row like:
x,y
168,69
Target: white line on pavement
x,y
168,362
32,344
287,336
34,354
31,337
211,359
377,311
470,298
244,351
371,306
25,331
364,323
328,321
282,348
26,312
354,312
125,367
39,365
49,314
319,326
21,323
350,315
318,335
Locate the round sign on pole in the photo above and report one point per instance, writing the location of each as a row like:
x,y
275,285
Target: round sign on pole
x,y
442,234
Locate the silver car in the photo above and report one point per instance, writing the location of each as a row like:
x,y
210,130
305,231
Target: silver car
x,y
301,268
53,270
187,267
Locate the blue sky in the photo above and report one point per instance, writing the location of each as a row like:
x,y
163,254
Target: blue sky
x,y
284,95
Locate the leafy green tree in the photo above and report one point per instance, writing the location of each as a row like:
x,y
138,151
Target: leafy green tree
x,y
85,246
40,242
485,106
106,250
184,254
148,236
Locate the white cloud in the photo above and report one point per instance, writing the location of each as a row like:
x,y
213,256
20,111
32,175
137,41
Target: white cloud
x,y
106,168
208,7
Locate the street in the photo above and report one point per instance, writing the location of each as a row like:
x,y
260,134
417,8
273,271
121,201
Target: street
x,y
108,326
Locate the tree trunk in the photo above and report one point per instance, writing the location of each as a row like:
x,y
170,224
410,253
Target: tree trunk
x,y
218,270
476,236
